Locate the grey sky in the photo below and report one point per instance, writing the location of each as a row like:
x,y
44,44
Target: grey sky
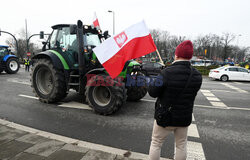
x,y
180,17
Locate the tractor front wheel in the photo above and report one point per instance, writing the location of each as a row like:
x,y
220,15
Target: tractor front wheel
x,y
12,66
138,90
104,94
48,82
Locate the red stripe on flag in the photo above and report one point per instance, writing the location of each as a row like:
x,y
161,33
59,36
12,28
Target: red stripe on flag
x,y
96,23
135,48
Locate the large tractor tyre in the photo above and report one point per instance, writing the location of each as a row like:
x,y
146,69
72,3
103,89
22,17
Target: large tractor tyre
x,y
104,94
12,66
48,83
137,92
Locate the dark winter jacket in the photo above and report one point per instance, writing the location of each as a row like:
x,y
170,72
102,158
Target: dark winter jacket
x,y
174,81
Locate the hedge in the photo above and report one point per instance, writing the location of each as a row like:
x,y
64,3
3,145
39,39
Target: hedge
x,y
205,70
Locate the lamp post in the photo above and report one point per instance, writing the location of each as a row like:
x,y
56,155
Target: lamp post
x,y
113,20
237,46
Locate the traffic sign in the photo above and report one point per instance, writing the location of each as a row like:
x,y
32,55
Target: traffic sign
x,y
28,54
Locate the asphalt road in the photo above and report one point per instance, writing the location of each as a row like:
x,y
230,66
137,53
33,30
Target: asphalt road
x,y
222,116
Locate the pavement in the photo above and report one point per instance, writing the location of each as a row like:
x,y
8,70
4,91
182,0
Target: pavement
x,y
19,142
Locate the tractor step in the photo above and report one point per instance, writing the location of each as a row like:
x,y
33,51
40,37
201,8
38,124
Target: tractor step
x,y
73,84
74,75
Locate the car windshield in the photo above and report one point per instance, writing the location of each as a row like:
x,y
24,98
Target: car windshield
x,y
92,39
220,68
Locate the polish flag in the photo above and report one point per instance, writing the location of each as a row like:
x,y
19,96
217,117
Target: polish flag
x,y
133,42
96,22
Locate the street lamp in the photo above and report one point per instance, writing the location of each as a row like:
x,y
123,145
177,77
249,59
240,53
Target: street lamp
x,y
238,36
113,20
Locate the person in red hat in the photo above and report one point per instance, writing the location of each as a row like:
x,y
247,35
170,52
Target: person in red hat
x,y
175,101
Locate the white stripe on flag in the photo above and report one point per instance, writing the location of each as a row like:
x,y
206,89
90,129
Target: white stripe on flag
x,y
109,47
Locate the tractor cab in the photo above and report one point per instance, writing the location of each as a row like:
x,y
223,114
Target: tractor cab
x,y
64,40
4,51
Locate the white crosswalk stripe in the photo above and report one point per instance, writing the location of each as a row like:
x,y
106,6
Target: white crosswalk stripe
x,y
234,88
193,131
215,101
218,104
195,151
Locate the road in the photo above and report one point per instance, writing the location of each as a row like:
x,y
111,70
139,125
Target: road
x,y
220,130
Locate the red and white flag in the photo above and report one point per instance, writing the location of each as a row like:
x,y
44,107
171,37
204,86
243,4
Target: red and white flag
x,y
133,42
96,22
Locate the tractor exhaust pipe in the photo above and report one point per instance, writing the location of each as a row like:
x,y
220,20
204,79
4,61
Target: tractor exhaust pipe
x,y
81,57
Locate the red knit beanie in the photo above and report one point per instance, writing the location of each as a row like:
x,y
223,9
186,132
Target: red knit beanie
x,y
184,50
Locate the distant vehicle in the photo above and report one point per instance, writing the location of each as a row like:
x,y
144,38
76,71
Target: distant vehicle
x,y
230,73
8,62
152,68
201,62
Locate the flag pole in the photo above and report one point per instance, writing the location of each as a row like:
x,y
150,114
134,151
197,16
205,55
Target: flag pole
x,y
159,56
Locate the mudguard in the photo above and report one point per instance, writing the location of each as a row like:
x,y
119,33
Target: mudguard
x,y
5,58
57,60
96,71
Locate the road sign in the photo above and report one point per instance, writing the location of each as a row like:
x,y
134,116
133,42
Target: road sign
x,y
28,54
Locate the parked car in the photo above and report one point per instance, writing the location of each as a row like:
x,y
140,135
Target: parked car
x,y
152,68
230,73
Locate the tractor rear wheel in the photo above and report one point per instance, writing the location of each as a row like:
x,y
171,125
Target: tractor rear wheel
x,y
104,94
48,82
12,66
137,92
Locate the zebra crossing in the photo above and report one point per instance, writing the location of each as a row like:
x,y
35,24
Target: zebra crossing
x,y
214,101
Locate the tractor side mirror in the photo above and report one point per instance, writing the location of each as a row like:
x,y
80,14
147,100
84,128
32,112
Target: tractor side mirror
x,y
73,29
106,34
41,35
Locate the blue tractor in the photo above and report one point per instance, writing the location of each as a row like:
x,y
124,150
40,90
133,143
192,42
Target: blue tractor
x,y
8,62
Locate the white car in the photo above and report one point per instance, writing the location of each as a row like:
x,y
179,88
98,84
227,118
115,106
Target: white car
x,y
230,73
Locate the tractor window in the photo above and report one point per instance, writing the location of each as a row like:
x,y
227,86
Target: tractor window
x,y
53,39
3,51
92,39
66,41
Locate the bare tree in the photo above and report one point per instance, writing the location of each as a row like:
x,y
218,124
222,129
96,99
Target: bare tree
x,y
217,47
227,38
22,44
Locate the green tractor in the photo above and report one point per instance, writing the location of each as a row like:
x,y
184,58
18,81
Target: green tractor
x,y
68,62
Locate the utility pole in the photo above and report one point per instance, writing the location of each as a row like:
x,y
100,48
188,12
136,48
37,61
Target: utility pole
x,y
236,58
26,36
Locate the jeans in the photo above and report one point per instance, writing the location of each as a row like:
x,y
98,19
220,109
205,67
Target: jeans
x,y
158,137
